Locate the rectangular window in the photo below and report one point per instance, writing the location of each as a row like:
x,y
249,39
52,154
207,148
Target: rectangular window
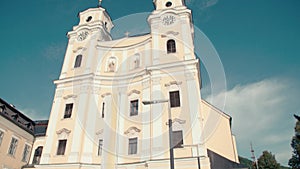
x,y
132,148
100,147
61,147
103,104
68,110
13,146
26,153
134,107
177,139
37,155
1,136
175,99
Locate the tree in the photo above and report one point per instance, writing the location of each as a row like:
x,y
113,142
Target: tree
x,y
294,162
267,161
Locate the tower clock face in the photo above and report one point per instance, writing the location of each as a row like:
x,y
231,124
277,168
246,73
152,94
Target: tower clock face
x,y
168,20
82,35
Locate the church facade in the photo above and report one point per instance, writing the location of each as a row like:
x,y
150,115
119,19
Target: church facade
x,y
114,98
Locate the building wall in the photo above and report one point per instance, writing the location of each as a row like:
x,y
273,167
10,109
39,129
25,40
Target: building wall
x,y
157,73
11,130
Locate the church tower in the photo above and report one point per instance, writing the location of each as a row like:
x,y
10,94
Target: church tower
x,y
114,99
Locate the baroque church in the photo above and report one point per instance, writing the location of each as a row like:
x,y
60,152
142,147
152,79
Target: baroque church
x,y
121,104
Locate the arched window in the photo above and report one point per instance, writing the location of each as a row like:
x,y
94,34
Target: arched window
x,y
171,46
37,155
78,61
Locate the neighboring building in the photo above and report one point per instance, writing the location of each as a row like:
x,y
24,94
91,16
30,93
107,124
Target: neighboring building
x,y
98,119
16,137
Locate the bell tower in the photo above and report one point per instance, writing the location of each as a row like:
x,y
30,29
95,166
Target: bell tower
x,y
166,4
94,26
74,111
172,31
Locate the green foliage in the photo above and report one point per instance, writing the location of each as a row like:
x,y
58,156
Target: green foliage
x,y
267,161
246,162
249,164
294,162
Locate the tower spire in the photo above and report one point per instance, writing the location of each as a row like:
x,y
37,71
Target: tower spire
x,y
99,2
254,160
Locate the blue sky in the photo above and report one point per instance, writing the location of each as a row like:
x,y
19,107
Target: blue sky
x,y
258,43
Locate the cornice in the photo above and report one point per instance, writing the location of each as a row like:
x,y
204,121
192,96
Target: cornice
x,y
127,76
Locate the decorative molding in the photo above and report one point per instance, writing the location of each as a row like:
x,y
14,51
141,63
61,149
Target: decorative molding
x,y
132,130
133,91
70,96
79,48
176,120
64,130
105,94
97,90
170,33
59,93
173,83
99,132
146,84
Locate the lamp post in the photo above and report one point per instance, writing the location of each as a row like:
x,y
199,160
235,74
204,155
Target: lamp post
x,y
169,124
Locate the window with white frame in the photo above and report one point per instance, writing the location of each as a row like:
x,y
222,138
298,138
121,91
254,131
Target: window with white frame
x,y
61,147
1,136
13,146
134,107
37,155
174,99
26,153
100,146
78,61
103,106
177,139
171,46
132,147
68,110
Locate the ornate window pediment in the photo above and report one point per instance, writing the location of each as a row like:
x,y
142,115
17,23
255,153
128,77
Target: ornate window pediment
x,y
70,96
63,133
105,94
177,83
99,132
133,91
131,131
178,124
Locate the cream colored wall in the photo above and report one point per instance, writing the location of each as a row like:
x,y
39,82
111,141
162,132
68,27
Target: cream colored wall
x,y
39,141
11,130
91,84
218,137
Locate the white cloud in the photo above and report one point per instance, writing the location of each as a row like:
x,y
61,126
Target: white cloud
x,y
262,114
33,114
54,51
202,4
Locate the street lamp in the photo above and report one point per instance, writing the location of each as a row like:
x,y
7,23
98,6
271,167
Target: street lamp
x,y
170,127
